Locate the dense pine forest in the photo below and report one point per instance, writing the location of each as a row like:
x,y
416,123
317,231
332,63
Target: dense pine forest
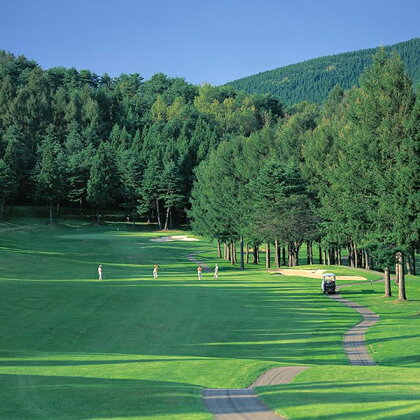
x,y
312,80
74,137
239,167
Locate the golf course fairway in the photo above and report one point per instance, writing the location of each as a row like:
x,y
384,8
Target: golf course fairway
x,y
132,347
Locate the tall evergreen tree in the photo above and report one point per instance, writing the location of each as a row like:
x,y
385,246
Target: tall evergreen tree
x,y
49,172
103,184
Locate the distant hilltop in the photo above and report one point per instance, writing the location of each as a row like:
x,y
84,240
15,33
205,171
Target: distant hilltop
x,y
312,80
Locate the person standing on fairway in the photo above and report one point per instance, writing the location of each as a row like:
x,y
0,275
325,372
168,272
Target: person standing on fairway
x,y
155,271
199,271
100,272
216,272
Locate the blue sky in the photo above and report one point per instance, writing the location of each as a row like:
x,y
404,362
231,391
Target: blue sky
x,y
215,41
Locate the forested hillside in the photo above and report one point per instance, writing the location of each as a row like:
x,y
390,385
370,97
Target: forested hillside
x,y
312,80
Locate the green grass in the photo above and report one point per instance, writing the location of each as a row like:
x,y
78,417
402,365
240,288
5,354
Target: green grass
x,y
351,393
133,347
390,390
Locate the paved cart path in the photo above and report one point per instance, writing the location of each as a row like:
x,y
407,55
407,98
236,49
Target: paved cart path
x,y
243,404
354,339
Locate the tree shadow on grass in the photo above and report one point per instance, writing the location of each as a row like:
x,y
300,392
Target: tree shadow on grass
x,y
92,362
67,397
334,396
358,292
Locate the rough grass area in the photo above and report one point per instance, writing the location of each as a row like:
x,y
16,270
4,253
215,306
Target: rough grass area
x,y
73,347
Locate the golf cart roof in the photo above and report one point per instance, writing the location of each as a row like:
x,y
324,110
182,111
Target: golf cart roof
x,y
328,275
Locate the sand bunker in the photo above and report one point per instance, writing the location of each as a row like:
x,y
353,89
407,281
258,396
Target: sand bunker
x,y
174,238
316,274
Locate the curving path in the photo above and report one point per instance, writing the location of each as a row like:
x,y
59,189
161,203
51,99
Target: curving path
x,y
243,404
354,338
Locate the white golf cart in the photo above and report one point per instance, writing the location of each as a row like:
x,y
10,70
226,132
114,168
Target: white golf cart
x,y
328,283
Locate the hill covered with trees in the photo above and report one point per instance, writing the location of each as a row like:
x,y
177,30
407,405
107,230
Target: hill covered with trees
x,y
312,80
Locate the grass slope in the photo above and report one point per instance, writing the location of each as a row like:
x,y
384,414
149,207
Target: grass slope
x,y
133,347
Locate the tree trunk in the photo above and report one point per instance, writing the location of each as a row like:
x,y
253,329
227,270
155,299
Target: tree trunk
x,y
397,272
401,281
332,255
310,254
255,254
247,253
168,210
276,253
339,255
320,252
97,216
267,255
219,251
283,255
290,262
367,260
307,253
387,279
51,212
409,264
356,256
242,266
232,253
158,214
350,256
225,252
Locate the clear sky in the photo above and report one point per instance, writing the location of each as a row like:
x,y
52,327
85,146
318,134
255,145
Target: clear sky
x,y
215,41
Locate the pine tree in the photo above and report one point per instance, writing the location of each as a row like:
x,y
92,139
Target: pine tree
x,y
79,158
50,173
103,184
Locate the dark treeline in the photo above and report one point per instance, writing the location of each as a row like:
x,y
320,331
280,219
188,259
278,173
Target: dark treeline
x,y
344,177
73,137
313,79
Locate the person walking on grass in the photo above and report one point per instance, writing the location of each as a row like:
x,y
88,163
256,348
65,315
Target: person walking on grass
x,y
155,271
199,271
216,272
100,272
